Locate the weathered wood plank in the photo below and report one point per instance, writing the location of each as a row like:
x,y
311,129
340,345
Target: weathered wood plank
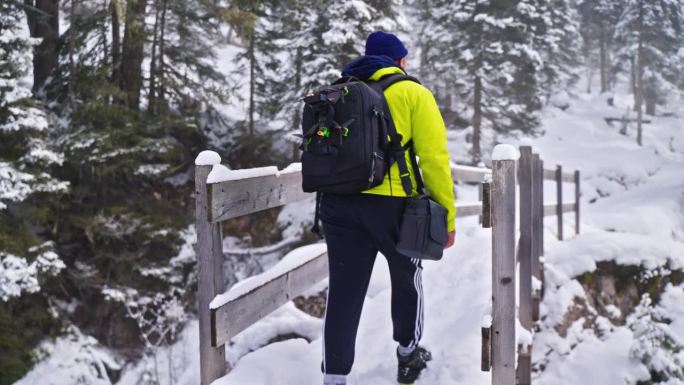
x,y
479,198
536,213
210,278
486,349
549,174
569,178
565,177
468,209
567,207
524,376
503,199
536,299
559,200
541,210
552,208
238,314
486,205
525,242
469,173
239,197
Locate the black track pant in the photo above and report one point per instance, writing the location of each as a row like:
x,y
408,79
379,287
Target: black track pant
x,y
357,227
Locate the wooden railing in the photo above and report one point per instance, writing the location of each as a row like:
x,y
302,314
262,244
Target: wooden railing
x,y
222,194
499,342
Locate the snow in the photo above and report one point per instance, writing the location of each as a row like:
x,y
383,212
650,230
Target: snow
x,y
18,276
487,321
220,173
505,152
536,283
469,168
73,358
526,142
580,365
207,158
292,260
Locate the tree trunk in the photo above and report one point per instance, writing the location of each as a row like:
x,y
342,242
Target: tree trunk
x,y
477,120
603,59
153,62
132,53
103,38
650,105
43,22
252,82
640,72
161,97
633,80
115,9
297,118
590,75
72,61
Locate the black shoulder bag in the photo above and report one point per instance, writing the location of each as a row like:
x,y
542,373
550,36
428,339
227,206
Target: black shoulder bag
x,y
423,231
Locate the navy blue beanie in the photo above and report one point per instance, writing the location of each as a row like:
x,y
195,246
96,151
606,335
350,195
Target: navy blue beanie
x,y
383,43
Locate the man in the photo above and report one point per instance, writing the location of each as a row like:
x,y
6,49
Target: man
x,y
358,226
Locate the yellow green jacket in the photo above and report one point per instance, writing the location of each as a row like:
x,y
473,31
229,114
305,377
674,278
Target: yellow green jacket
x,y
416,116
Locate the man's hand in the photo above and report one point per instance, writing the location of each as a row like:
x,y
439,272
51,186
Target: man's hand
x,y
450,241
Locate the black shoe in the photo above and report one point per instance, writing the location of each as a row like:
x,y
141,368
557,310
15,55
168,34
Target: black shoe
x,y
410,366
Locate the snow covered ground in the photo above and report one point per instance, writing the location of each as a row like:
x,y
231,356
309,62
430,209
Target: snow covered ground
x,y
632,213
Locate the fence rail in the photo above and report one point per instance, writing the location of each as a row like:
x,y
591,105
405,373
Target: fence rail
x,y
222,194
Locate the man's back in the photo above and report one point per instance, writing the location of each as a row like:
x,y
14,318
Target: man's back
x,y
417,118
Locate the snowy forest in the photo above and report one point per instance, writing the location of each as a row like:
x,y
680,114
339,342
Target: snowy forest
x,y
105,104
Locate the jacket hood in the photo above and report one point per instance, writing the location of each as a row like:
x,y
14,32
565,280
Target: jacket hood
x,y
365,66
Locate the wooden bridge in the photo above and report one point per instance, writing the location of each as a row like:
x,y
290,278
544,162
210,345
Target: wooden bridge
x,y
222,195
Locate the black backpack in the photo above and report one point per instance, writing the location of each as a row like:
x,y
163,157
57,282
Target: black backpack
x,y
349,139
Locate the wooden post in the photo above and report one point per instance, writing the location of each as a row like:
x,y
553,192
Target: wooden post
x,y
559,200
210,278
503,202
577,201
525,257
524,371
537,213
541,210
479,198
537,223
486,215
486,347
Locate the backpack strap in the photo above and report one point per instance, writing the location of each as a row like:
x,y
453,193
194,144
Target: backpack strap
x,y
416,169
396,148
316,228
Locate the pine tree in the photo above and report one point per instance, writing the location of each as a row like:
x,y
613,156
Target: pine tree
x,y
27,158
654,345
493,51
296,46
25,153
128,161
598,19
558,40
649,33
